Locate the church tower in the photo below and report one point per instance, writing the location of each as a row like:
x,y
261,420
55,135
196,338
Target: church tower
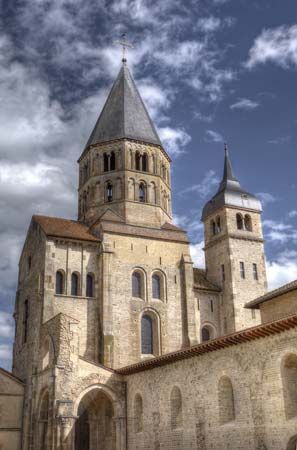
x,y
234,250
124,167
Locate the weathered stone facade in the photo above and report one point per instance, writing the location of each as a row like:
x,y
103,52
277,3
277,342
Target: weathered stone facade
x,y
121,344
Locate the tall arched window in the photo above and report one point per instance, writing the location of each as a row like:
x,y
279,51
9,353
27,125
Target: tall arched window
x,y
226,400
239,221
43,422
156,286
105,162
213,227
141,192
112,161
205,334
90,285
218,224
137,161
138,413
109,192
74,284
176,408
147,344
289,379
248,223
144,162
137,285
59,282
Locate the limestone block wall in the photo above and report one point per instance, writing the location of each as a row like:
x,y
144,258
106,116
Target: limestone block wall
x,y
125,176
279,307
232,398
207,313
81,258
121,312
11,411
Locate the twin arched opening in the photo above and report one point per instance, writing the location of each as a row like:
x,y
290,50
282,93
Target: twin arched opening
x,y
244,222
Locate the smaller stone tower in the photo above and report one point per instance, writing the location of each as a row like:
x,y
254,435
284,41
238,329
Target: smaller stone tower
x,y
234,250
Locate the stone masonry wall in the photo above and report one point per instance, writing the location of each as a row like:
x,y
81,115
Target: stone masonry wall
x,y
259,421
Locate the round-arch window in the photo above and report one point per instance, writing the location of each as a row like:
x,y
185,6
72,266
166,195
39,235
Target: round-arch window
x,y
156,285
147,335
205,334
136,285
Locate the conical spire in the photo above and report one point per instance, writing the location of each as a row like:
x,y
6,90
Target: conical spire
x,y
124,114
230,193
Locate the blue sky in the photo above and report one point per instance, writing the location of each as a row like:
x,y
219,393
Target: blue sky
x,y
209,71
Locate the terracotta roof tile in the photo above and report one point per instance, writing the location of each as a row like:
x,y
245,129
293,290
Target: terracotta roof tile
x,y
72,229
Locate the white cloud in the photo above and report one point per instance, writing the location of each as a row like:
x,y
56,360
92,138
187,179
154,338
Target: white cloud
x,y
197,254
280,140
276,45
292,214
174,140
213,136
279,232
266,198
245,104
282,269
206,185
209,24
5,352
6,325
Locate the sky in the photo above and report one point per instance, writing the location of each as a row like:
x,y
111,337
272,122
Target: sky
x,y
209,71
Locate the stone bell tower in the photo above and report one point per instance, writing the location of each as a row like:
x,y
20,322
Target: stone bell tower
x,y
234,250
124,167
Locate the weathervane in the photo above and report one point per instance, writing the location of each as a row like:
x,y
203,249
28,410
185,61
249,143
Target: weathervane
x,y
125,44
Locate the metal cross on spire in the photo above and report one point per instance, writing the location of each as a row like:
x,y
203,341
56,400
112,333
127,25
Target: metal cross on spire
x,y
125,44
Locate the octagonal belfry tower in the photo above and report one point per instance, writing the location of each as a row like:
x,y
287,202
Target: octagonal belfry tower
x,y
234,250
124,167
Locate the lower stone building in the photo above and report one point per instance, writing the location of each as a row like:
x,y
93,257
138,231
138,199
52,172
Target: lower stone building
x,y
120,343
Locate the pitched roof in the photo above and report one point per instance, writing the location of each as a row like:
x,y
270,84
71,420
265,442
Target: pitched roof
x,y
124,114
201,282
72,229
230,193
11,375
250,334
254,304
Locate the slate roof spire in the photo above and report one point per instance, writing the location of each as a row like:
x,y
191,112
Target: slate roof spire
x,y
230,192
124,114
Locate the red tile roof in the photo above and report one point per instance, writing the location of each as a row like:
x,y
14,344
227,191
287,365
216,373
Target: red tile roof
x,y
64,228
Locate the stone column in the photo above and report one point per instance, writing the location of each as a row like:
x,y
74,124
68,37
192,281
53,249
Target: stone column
x,y
66,433
188,312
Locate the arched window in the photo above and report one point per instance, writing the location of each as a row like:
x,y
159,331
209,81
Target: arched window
x,y
105,162
138,413
90,285
176,408
239,221
213,227
137,161
147,344
218,224
109,192
112,161
60,282
142,192
74,284
144,162
205,334
248,223
289,379
226,400
43,422
137,285
156,286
